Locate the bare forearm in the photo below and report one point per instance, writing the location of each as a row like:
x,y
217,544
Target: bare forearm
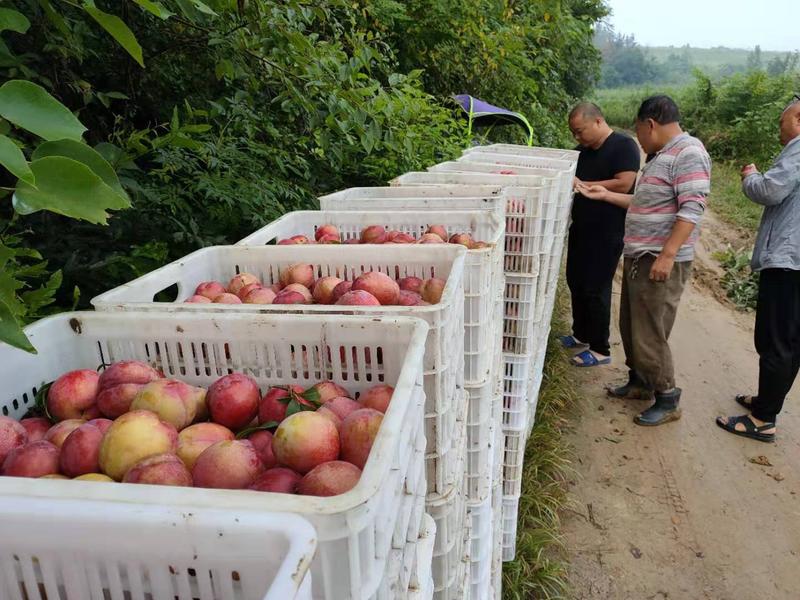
x,y
680,233
618,199
619,184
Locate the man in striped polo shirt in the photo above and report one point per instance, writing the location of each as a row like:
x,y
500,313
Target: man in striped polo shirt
x,y
661,229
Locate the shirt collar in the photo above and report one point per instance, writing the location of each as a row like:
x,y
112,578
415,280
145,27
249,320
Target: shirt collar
x,y
673,141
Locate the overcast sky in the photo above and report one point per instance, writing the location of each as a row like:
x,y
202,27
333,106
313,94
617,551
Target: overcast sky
x,y
706,23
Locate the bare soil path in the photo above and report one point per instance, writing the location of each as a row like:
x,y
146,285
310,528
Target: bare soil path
x,y
686,511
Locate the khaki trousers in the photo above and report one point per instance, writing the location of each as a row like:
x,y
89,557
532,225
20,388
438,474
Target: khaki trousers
x,y
646,316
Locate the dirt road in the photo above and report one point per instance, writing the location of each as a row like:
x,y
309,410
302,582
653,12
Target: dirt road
x,y
685,511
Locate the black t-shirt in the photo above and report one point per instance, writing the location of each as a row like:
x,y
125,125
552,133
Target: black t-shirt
x,y
617,154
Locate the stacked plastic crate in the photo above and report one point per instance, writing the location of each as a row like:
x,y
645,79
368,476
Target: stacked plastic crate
x,y
531,210
482,284
186,543
527,340
483,288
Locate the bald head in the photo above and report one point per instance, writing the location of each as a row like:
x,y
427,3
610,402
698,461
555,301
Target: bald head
x,y
588,126
587,110
790,122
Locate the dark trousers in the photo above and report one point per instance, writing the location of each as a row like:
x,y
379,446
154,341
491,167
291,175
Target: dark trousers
x,y
777,340
592,260
647,311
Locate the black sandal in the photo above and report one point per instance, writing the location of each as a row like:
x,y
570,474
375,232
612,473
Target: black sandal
x,y
751,430
742,400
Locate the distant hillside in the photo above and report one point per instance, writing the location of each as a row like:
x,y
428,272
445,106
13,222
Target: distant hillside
x,y
627,63
711,58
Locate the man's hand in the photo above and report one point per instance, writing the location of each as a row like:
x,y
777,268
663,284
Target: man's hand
x,y
576,182
749,170
662,267
593,192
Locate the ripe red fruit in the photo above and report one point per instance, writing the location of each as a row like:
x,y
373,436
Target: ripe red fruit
x,y
233,400
380,285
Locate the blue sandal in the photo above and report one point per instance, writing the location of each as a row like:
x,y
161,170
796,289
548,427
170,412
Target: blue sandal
x,y
588,359
569,341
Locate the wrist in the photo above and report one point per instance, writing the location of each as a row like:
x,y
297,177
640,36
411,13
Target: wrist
x,y
668,253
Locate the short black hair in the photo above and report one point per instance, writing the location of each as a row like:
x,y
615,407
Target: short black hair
x,y
662,109
588,110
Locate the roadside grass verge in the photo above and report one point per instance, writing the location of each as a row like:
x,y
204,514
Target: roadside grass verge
x,y
729,203
732,206
540,568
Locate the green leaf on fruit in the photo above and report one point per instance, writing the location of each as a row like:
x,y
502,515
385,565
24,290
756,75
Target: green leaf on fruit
x,y
295,407
30,107
40,404
244,433
67,187
312,396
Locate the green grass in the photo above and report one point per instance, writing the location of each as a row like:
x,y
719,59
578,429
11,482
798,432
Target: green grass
x,y
620,104
540,568
729,203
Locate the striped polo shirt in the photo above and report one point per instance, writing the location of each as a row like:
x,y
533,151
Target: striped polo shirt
x,y
673,185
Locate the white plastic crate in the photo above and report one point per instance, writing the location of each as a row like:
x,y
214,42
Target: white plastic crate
x,y
355,530
482,266
533,399
516,368
443,361
412,512
515,149
516,162
532,205
452,529
530,216
520,304
478,476
420,198
421,585
513,460
54,548
510,523
481,516
532,165
497,543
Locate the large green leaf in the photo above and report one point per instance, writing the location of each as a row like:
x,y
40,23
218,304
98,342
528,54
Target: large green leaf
x,y
67,187
83,154
11,20
12,158
155,8
11,332
29,106
118,30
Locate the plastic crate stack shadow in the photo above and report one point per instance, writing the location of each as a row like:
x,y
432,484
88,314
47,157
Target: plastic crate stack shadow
x,y
359,533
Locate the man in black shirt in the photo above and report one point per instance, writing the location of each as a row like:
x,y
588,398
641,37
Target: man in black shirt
x,y
612,160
